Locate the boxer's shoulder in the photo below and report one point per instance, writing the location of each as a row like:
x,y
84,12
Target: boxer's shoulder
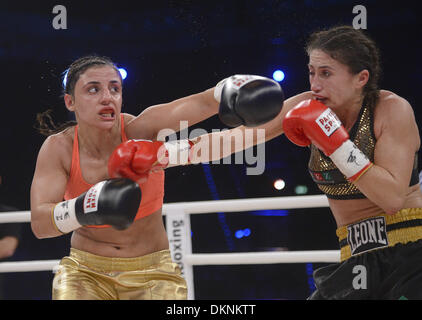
x,y
392,112
391,108
62,140
128,117
392,102
59,147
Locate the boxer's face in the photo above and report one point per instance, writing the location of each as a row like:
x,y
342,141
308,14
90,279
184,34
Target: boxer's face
x,y
332,82
97,98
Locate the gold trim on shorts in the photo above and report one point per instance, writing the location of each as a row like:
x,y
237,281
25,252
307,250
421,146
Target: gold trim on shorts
x,y
402,227
109,264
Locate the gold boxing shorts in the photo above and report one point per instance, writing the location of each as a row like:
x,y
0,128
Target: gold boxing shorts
x,y
85,276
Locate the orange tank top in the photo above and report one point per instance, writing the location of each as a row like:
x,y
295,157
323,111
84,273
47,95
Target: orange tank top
x,y
152,190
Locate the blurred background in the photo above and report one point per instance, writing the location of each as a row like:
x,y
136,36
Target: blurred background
x,y
171,49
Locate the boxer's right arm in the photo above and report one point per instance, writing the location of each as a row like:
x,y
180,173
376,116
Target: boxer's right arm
x,y
48,185
112,202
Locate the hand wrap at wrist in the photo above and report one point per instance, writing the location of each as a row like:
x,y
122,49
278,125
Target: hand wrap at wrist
x,y
351,161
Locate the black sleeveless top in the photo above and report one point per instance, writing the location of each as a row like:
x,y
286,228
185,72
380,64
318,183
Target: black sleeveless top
x,y
326,175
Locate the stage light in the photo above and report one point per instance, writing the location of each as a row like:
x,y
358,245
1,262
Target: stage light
x,y
242,233
279,184
123,73
278,75
65,78
239,234
301,189
247,232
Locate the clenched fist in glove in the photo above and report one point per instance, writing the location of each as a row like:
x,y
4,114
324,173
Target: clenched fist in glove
x,y
248,100
113,202
135,159
312,122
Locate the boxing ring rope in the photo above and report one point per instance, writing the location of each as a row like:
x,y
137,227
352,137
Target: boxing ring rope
x,y
179,233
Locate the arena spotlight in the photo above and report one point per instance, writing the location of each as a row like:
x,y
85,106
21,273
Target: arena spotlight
x,y
278,75
242,233
65,78
123,73
301,189
279,184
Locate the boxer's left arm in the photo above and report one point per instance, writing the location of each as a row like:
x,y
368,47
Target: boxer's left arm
x,y
254,136
386,183
198,107
193,109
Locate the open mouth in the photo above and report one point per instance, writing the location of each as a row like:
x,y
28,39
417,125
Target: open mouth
x,y
107,114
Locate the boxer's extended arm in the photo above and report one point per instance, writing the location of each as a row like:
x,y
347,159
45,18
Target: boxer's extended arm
x,y
205,148
193,109
245,99
218,145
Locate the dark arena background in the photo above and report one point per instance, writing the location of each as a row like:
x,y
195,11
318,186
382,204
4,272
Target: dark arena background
x,y
170,50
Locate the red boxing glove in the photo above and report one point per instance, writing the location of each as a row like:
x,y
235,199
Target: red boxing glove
x,y
135,159
312,122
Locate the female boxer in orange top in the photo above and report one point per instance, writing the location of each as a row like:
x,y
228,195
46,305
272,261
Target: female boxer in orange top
x,y
75,159
110,257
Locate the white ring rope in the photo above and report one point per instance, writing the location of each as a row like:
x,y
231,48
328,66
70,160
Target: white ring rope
x,y
198,207
15,216
201,259
25,266
296,202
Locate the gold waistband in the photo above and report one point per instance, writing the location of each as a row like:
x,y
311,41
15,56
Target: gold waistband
x,y
102,263
402,227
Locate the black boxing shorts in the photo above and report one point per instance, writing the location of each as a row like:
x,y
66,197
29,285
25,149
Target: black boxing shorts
x,y
381,258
